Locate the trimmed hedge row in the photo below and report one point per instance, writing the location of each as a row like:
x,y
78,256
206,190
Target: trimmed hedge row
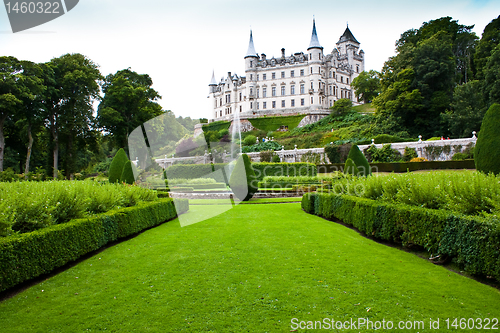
x,y
216,126
474,242
26,256
404,166
212,186
190,171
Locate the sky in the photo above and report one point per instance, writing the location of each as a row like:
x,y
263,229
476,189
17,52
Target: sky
x,y
180,43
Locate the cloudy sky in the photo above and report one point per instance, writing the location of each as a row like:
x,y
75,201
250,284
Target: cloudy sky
x,y
179,43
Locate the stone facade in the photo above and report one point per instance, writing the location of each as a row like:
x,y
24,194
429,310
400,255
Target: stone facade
x,y
301,83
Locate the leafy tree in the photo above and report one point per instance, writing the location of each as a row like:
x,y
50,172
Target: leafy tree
x,y
467,109
492,77
128,102
71,90
366,85
116,167
490,39
341,107
487,150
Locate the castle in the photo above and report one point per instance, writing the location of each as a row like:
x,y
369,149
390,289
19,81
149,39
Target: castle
x,y
302,83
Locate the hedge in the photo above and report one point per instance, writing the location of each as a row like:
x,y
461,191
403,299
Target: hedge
x,y
404,166
190,171
269,124
473,242
26,256
216,126
212,186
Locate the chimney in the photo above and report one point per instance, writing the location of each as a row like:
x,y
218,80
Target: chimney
x,y
283,52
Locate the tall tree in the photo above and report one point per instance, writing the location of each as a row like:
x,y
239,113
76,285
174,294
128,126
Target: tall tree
x,y
69,101
367,85
489,41
128,102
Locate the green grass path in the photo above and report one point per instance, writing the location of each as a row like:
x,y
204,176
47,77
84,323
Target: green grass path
x,y
251,269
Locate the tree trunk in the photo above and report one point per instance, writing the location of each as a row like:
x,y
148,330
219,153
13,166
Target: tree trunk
x,y
28,154
2,142
56,155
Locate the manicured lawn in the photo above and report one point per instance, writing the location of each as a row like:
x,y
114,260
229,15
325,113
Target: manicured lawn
x,y
251,269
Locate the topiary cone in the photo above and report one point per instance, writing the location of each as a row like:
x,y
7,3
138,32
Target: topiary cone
x,y
360,161
350,168
128,173
116,167
243,182
487,150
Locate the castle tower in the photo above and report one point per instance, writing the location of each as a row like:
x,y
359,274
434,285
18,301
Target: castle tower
x,y
251,60
316,88
352,59
212,88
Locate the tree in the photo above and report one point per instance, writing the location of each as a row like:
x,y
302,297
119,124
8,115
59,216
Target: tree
x,y
127,176
341,107
467,109
492,77
487,150
72,88
490,39
116,166
129,101
366,85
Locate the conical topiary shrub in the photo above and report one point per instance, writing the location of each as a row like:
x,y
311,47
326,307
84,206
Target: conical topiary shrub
x,y
360,161
128,173
350,168
243,182
116,167
487,150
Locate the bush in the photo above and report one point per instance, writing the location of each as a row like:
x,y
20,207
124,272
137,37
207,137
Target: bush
x,y
243,182
471,241
360,161
268,145
249,140
459,157
487,151
341,107
410,153
223,132
23,257
266,156
351,168
127,176
386,138
116,166
419,159
385,154
275,159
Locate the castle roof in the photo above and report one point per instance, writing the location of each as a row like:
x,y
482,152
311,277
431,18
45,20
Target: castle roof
x,y
347,36
314,38
251,48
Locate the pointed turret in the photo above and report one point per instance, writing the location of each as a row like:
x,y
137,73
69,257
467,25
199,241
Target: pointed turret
x,y
251,48
347,37
314,38
213,83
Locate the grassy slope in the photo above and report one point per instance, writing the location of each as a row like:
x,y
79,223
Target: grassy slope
x,y
251,269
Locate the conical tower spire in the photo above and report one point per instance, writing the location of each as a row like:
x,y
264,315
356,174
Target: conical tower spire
x,y
347,36
213,82
251,48
314,38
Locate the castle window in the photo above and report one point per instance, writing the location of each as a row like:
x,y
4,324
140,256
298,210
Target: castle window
x,y
357,68
302,88
293,103
301,72
257,77
312,100
264,105
240,108
273,75
347,80
264,77
331,103
258,93
257,105
282,75
331,74
283,103
302,101
240,97
251,105
220,113
251,93
292,73
264,92
341,79
311,70
331,91
221,101
312,85
282,90
292,90
310,56
273,91
251,63
274,104
251,77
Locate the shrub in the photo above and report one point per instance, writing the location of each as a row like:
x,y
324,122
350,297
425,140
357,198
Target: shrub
x,y
386,138
419,159
385,154
243,182
360,161
459,157
341,107
487,151
223,132
249,140
127,176
410,153
332,152
266,156
268,145
351,168
275,159
116,166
